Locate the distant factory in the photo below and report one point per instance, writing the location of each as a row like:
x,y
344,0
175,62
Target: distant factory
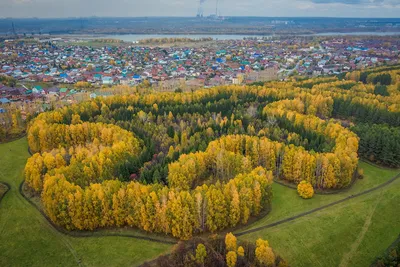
x,y
215,16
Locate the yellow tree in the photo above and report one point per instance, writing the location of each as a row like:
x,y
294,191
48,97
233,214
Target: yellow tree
x,y
230,242
240,251
264,253
201,254
234,209
231,258
216,209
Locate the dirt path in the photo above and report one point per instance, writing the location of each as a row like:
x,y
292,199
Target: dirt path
x,y
7,186
348,256
388,182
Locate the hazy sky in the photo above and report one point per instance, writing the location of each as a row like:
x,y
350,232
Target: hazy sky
x,y
133,8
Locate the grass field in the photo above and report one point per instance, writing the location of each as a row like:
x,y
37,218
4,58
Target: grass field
x,y
27,239
351,233
286,202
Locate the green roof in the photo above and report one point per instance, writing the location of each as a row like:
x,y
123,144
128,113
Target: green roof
x,y
63,90
71,92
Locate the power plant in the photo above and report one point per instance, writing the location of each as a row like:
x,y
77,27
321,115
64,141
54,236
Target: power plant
x,y
200,11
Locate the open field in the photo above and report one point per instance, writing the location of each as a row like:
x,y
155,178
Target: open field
x,y
352,233
286,202
27,239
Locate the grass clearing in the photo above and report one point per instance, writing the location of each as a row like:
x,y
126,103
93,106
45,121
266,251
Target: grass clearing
x,y
352,233
287,203
27,238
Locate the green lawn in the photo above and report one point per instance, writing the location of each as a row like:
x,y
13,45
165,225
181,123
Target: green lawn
x,y
27,239
352,233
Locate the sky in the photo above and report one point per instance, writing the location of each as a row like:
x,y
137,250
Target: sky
x,y
187,8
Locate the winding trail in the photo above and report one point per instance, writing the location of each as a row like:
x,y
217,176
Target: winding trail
x,y
353,249
388,182
92,234
8,187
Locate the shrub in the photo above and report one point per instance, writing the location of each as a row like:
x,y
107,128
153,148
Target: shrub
x,y
305,189
360,173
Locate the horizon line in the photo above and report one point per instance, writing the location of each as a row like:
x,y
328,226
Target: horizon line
x,y
121,17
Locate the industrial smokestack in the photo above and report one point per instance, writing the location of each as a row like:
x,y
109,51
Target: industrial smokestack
x,y
200,9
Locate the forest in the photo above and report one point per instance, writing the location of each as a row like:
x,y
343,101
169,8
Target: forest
x,y
197,162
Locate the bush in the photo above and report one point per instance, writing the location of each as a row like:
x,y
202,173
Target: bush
x,y
360,173
305,189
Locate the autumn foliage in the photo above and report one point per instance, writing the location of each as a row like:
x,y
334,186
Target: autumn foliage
x,y
203,161
78,192
305,189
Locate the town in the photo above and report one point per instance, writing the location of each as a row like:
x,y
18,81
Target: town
x,y
60,67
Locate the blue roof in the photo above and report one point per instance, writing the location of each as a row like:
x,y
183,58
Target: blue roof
x,y
4,100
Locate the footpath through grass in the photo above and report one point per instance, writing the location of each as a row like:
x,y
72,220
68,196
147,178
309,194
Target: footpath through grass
x,y
352,233
3,190
286,202
27,239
